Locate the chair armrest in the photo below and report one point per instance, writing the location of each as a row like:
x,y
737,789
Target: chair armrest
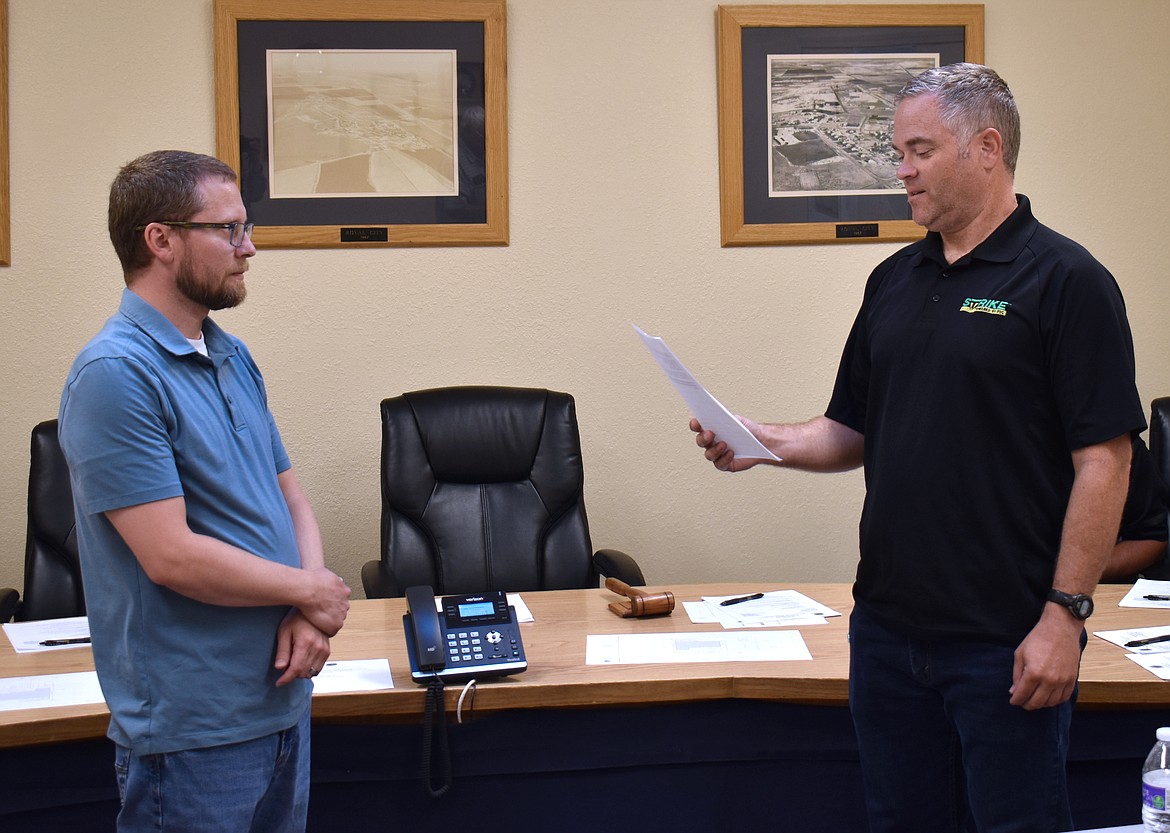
x,y
379,581
617,564
9,601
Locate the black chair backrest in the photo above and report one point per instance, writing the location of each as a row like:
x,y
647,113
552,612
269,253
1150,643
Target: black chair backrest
x,y
1160,436
483,489
52,571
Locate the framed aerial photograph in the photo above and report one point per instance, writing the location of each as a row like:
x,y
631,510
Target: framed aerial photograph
x,y
359,123
806,106
5,217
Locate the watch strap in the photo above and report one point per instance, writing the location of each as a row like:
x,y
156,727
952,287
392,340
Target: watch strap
x,y
1079,605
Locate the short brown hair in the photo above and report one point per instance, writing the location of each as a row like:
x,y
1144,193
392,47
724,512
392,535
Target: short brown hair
x,y
161,185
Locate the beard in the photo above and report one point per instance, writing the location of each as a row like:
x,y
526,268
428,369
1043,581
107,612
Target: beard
x,y
207,291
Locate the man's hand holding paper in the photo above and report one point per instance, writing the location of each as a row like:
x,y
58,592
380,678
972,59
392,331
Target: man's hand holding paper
x,y
721,453
710,417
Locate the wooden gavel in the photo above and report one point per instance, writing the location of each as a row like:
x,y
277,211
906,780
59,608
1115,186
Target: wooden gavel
x,y
639,602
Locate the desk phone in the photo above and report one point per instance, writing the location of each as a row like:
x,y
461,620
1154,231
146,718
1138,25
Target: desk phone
x,y
474,636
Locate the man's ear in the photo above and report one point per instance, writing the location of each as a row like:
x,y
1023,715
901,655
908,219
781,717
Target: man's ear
x,y
989,144
160,241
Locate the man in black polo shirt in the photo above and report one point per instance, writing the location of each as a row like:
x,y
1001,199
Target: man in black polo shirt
x,y
987,387
1140,551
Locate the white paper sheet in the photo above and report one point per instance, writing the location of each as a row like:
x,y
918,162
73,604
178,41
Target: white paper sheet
x,y
43,690
343,675
27,637
1156,664
738,646
1154,656
704,407
523,614
1144,587
46,690
1122,638
777,608
700,613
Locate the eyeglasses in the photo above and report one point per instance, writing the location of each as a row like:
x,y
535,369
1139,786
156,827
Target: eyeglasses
x,y
237,232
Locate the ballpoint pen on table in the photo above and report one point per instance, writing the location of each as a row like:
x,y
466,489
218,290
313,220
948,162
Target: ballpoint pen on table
x,y
739,599
1154,598
1150,640
52,643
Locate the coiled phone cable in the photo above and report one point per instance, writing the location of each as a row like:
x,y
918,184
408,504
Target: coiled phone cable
x,y
435,716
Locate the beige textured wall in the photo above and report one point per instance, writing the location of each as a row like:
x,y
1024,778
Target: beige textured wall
x,y
614,218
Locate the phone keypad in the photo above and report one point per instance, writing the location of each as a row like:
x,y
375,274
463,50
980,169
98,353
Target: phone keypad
x,y
472,646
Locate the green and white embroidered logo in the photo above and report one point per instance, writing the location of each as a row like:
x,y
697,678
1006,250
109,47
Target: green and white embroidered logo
x,y
987,305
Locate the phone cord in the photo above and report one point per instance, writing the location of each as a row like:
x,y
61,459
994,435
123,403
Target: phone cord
x,y
435,717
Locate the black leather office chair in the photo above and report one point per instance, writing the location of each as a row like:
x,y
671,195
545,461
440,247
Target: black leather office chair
x,y
1160,451
483,489
1160,436
52,572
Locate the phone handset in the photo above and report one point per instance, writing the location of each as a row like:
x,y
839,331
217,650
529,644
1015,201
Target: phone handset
x,y
424,628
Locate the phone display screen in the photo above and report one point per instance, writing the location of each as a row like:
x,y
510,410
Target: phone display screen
x,y
475,609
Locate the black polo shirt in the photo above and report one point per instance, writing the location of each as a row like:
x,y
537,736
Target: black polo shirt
x,y
972,383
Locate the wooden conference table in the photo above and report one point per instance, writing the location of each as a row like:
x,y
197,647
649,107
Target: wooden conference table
x,y
682,742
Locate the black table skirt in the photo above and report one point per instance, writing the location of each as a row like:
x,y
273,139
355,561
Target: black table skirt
x,y
695,766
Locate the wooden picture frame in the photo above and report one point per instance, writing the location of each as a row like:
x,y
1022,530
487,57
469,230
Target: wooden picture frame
x,y
5,205
320,88
786,183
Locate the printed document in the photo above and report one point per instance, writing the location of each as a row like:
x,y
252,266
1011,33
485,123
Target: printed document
x,y
1148,647
1156,664
1148,593
48,634
704,407
343,675
1152,640
739,646
777,608
43,690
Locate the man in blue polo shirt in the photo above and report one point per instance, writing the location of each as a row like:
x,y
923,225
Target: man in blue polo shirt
x,y
987,387
209,602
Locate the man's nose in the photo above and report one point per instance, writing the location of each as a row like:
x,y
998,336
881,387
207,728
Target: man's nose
x,y
247,248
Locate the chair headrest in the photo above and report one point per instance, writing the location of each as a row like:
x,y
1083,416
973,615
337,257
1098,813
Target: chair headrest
x,y
482,434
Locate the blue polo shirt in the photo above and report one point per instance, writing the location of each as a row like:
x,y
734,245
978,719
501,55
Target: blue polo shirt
x,y
145,417
973,382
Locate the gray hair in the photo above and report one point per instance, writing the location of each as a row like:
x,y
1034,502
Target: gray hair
x,y
971,98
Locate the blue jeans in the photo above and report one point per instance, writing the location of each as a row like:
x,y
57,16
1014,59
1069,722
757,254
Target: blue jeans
x,y
261,786
942,750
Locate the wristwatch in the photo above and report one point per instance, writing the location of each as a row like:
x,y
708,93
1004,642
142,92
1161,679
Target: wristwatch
x,y
1079,605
